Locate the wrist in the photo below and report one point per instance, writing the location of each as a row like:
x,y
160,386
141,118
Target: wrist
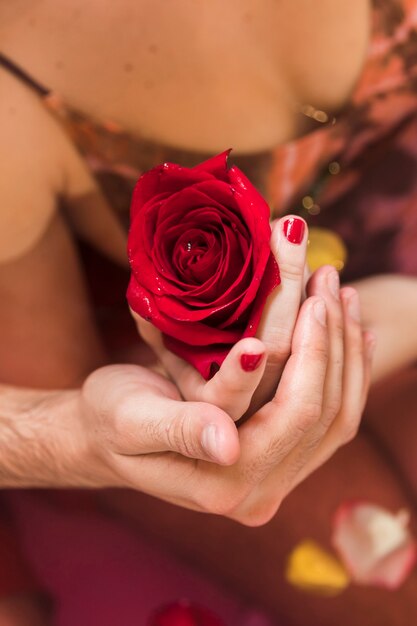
x,y
41,441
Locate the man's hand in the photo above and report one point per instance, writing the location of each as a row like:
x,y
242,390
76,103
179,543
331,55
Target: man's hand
x,y
128,427
142,435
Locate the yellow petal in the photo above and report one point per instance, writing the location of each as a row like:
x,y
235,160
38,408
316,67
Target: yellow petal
x,y
311,568
325,248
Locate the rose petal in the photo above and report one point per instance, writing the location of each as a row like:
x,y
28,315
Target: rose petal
x,y
186,309
270,280
203,358
143,302
313,569
184,613
253,207
168,177
217,165
375,545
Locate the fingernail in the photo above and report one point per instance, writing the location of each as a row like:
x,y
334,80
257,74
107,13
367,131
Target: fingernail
x,y
209,441
333,283
250,362
320,312
354,307
294,229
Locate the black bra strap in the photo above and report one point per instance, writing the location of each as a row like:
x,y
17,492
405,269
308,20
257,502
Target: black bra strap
x,y
23,76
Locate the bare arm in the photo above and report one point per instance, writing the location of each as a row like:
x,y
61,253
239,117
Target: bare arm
x,y
38,446
389,305
124,424
39,167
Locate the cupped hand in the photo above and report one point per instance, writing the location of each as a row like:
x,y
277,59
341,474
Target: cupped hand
x,y
142,435
254,365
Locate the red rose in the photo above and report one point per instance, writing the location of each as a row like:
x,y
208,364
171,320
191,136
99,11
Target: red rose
x,y
200,257
185,614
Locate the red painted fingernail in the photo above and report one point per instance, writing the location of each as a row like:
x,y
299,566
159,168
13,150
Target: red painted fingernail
x,y
294,229
250,362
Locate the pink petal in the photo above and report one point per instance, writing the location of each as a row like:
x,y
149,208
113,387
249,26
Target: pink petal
x,y
375,545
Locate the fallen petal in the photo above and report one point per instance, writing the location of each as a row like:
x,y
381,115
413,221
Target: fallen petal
x,y
375,545
313,569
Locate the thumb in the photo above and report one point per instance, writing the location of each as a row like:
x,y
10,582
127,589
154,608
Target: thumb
x,y
197,430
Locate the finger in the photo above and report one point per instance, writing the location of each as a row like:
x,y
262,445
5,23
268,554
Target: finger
x,y
148,423
274,431
369,339
233,386
356,380
288,244
325,283
350,413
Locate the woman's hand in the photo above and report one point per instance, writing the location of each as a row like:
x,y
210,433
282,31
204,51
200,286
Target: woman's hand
x,y
138,433
254,364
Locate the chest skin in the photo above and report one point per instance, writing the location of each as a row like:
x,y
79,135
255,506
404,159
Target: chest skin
x,y
191,74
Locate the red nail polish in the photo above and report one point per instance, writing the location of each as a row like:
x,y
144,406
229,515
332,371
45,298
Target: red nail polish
x,y
294,229
250,362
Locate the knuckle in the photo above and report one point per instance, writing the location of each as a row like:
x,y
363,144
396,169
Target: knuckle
x,y
292,270
121,416
229,386
318,352
338,329
179,433
355,342
278,344
307,412
333,407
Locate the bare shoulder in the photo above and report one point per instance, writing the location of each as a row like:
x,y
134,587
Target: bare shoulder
x,y
38,163
30,173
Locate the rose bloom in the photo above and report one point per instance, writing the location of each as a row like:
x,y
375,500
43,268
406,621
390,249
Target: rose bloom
x,y
199,251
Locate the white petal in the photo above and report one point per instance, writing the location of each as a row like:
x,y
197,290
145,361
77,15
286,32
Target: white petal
x,y
376,546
